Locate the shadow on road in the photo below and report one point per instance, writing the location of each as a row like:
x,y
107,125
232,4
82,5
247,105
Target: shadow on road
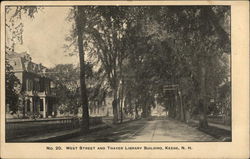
x,y
147,131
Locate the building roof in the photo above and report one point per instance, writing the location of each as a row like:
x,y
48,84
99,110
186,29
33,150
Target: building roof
x,y
23,62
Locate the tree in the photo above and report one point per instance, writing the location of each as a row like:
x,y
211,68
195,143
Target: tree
x,y
106,36
154,46
14,33
12,88
67,85
80,19
199,52
66,80
14,26
175,40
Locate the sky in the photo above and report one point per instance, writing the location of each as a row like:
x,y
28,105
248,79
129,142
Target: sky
x,y
44,37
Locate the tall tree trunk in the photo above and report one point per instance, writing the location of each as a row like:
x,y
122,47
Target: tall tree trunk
x,y
182,110
75,110
121,101
184,107
136,111
172,106
24,104
169,106
145,110
83,89
121,112
114,105
202,101
178,107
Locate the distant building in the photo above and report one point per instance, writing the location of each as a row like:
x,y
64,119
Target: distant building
x,y
35,86
102,108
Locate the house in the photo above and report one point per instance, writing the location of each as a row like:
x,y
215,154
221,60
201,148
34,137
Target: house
x,y
35,89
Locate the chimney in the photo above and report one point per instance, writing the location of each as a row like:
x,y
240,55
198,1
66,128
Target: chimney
x,y
26,64
44,70
39,67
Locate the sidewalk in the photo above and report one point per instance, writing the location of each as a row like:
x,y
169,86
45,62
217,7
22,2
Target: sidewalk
x,y
57,136
224,127
109,121
60,135
221,132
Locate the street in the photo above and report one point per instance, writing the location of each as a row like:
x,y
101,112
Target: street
x,y
146,131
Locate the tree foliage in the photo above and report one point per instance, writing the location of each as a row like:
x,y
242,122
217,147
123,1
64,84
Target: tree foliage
x,y
14,31
142,48
136,50
12,88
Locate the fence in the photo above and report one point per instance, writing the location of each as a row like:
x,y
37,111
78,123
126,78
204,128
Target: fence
x,y
18,129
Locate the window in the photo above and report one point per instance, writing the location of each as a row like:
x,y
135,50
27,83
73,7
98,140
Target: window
x,y
31,85
28,105
41,104
27,84
36,84
42,85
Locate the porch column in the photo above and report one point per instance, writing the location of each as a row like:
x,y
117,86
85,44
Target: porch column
x,y
31,105
25,106
44,107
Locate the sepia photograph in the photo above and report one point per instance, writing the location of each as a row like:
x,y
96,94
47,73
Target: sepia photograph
x,y
124,79
118,73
